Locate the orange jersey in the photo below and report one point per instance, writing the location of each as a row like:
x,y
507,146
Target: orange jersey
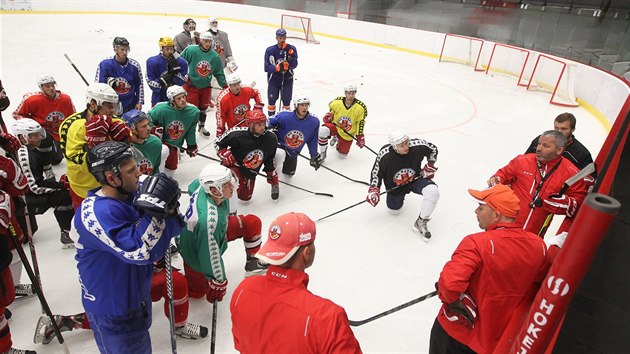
x,y
48,112
231,108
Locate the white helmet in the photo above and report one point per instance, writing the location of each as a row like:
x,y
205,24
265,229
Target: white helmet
x,y
233,79
215,175
101,93
211,20
300,99
45,79
173,92
206,35
397,137
27,126
350,87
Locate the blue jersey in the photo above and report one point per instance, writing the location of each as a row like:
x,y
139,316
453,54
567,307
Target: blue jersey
x,y
129,82
156,67
274,55
116,248
293,132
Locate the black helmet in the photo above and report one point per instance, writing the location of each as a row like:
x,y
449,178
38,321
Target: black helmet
x,y
120,41
107,156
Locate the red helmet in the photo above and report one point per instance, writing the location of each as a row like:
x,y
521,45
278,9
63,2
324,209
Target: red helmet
x,y
255,116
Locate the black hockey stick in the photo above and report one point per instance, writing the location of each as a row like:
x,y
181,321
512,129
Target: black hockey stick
x,y
169,294
76,69
213,335
36,285
337,173
395,309
354,138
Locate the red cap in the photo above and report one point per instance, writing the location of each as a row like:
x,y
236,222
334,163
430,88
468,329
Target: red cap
x,y
286,234
499,197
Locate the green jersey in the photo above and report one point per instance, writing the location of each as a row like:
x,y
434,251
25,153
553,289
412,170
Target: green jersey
x,y
178,124
202,66
151,150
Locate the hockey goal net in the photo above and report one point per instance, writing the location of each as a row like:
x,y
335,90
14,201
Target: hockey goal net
x,y
298,27
463,50
509,60
555,76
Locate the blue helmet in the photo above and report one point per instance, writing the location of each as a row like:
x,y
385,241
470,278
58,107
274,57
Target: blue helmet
x,y
281,32
134,116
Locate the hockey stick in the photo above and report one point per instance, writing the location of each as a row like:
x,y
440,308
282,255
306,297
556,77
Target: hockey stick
x,y
337,173
76,69
169,294
354,138
395,309
213,335
36,285
590,168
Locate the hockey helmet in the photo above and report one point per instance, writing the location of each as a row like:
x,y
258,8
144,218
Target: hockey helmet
x,y
215,175
133,117
27,126
255,117
211,21
120,41
108,156
298,99
233,79
206,35
350,88
281,32
174,91
190,25
166,42
397,137
101,92
45,79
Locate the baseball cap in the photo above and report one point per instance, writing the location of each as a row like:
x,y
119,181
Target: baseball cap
x,y
286,234
189,21
499,197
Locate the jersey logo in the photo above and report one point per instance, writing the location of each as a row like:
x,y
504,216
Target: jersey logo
x,y
294,139
345,123
54,119
145,166
175,130
203,68
253,159
121,86
404,176
218,47
239,111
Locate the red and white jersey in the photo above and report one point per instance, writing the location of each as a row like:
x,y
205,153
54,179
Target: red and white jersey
x,y
48,112
231,108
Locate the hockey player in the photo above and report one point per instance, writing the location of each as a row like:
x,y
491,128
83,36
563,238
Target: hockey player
x,y
45,193
175,122
204,63
154,153
122,230
487,277
164,70
295,130
124,75
245,150
399,166
48,107
208,231
280,61
185,38
82,130
345,120
321,325
233,103
221,45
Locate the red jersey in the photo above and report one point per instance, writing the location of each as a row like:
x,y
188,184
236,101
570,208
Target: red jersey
x,y
523,175
231,108
48,112
496,268
275,313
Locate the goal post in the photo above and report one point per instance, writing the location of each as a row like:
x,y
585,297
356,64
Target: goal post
x,y
509,60
298,27
555,76
463,50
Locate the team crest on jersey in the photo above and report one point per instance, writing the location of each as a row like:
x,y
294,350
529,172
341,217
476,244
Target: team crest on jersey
x,y
345,123
145,166
121,86
404,176
253,159
54,119
203,68
218,47
274,232
175,129
294,139
239,111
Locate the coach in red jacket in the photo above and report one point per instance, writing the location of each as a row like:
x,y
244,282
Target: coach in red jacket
x,y
276,313
487,276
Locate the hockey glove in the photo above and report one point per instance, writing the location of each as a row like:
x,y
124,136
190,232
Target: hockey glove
x,y
156,195
9,143
97,129
227,159
272,177
119,131
173,66
494,180
157,131
259,106
111,81
166,80
560,204
360,141
462,311
5,209
373,196
429,170
216,290
328,117
231,64
64,179
192,150
316,162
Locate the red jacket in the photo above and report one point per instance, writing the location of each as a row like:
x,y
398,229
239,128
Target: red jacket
x,y
276,314
496,268
523,176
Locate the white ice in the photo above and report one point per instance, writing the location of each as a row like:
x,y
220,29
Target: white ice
x,y
367,260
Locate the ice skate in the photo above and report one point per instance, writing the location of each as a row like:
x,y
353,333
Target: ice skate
x,y
20,351
66,241
202,129
7,314
275,192
420,226
23,291
323,156
333,141
45,332
191,331
254,266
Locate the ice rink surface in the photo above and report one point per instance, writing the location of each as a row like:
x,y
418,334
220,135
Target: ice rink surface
x,y
367,260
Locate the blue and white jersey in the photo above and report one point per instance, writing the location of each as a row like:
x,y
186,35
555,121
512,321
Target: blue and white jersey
x,y
293,133
156,67
274,55
129,82
116,247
